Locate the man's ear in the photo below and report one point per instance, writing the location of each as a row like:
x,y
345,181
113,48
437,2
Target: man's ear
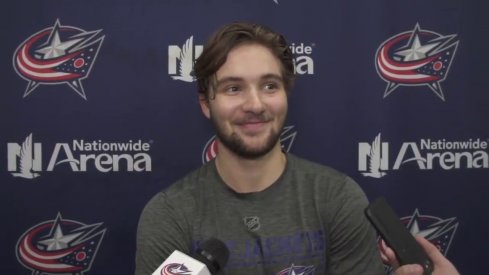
x,y
204,105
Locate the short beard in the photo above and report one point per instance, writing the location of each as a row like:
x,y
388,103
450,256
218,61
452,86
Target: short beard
x,y
237,145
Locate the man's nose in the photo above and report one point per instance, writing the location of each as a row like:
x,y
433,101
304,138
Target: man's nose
x,y
253,101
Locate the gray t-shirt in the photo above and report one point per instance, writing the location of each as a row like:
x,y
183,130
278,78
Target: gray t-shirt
x,y
310,221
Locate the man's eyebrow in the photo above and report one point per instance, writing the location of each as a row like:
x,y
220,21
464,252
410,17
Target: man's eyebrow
x,y
272,77
228,79
231,79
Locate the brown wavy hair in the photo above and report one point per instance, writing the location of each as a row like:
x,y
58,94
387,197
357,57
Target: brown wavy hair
x,y
227,38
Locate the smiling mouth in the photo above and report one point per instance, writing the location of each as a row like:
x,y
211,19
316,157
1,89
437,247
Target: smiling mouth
x,y
252,127
255,119
252,122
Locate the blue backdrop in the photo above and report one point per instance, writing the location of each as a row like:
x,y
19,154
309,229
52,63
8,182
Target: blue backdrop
x,y
99,113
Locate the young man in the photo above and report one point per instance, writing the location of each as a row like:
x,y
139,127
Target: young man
x,y
277,213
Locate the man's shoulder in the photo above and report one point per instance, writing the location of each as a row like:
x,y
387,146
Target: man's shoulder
x,y
192,181
326,184
319,176
312,168
184,191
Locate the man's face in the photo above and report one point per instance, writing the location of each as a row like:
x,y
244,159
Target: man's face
x,y
250,102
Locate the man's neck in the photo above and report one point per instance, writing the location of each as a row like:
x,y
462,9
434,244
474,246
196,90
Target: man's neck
x,y
250,175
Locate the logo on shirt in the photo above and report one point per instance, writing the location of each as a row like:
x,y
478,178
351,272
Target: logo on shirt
x,y
297,270
57,55
252,223
59,246
416,58
308,246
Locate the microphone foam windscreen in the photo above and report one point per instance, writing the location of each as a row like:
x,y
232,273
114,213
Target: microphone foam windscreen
x,y
214,253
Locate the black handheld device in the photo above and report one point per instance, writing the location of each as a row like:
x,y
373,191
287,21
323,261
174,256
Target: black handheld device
x,y
396,235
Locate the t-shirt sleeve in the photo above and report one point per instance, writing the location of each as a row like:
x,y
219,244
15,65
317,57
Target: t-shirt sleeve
x,y
352,238
162,229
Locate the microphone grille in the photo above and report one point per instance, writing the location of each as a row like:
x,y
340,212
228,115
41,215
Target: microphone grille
x,y
214,253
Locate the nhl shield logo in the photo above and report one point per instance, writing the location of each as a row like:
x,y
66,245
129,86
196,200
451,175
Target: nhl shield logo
x,y
252,223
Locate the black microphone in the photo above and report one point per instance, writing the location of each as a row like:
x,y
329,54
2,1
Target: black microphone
x,y
209,259
214,254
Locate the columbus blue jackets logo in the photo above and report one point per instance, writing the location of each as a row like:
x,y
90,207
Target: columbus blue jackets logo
x,y
438,231
286,140
175,269
57,55
59,246
416,58
298,270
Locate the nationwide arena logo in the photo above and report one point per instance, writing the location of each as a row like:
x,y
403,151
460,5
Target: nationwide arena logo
x,y
426,154
181,59
57,55
438,231
416,58
286,139
59,246
303,61
25,160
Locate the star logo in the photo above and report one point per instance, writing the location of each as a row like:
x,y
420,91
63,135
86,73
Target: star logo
x,y
175,269
298,270
58,240
416,58
438,231
59,246
57,55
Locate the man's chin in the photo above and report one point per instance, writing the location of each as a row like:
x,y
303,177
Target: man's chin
x,y
249,147
253,151
252,154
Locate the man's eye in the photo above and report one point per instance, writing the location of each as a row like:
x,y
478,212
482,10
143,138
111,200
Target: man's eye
x,y
271,86
232,89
